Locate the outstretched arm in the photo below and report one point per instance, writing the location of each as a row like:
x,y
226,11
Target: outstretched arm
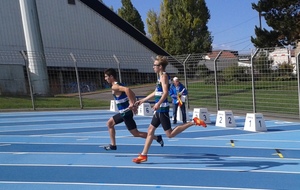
x,y
145,99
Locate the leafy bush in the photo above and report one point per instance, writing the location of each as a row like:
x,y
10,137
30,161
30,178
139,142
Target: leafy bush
x,y
210,79
236,73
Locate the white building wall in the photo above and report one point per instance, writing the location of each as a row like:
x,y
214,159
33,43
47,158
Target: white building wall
x,y
280,56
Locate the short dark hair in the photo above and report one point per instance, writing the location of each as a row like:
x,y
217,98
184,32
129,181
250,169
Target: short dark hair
x,y
111,72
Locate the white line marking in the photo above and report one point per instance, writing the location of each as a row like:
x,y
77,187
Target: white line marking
x,y
82,139
158,168
5,144
129,185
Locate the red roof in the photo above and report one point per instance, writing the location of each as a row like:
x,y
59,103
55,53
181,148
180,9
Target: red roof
x,y
225,54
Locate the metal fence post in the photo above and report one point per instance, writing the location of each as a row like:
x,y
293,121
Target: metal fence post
x,y
298,79
78,81
119,70
29,78
185,79
216,80
253,81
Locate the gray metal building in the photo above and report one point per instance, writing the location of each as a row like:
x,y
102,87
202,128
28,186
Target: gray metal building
x,y
93,33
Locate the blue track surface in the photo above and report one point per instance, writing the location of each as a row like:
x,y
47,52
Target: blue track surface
x,y
64,150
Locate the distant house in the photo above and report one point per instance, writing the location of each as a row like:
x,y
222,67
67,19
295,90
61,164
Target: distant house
x,y
223,59
278,56
282,55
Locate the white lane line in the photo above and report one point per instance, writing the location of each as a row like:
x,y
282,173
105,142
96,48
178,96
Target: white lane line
x,y
158,168
129,185
5,144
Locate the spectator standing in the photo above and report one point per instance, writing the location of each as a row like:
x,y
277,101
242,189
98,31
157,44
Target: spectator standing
x,y
178,94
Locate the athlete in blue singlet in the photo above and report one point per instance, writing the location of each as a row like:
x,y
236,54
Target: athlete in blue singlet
x,y
125,100
161,109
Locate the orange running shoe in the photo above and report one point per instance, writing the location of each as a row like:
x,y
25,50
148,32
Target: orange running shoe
x,y
141,158
199,122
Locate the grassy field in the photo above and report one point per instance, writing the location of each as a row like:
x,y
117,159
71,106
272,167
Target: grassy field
x,y
271,96
50,103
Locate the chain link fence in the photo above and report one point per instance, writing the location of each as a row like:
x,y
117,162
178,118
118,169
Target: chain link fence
x,y
262,81
244,83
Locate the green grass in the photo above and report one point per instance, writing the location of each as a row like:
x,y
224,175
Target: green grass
x,y
50,103
271,96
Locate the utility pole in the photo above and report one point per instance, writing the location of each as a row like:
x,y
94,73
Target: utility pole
x,y
260,14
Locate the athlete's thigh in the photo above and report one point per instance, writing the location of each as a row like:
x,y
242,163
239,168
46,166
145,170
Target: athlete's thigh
x,y
129,121
118,118
155,122
165,121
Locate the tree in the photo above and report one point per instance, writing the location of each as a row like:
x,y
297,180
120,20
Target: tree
x,y
131,15
265,38
181,26
281,15
154,28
